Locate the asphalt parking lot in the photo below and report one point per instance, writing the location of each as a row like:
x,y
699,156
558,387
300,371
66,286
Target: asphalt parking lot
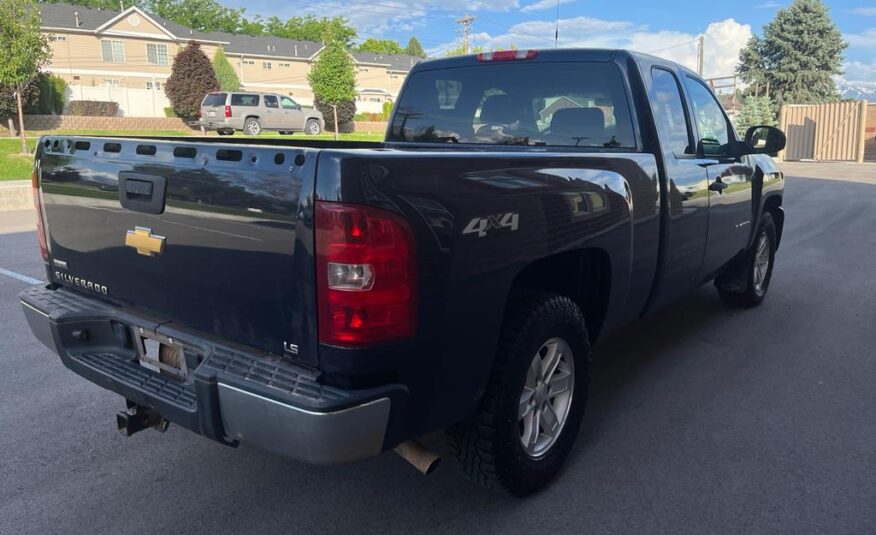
x,y
703,419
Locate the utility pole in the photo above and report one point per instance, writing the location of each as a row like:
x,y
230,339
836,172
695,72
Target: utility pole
x,y
700,54
465,22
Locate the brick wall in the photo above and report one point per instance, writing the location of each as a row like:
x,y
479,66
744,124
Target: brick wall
x,y
74,122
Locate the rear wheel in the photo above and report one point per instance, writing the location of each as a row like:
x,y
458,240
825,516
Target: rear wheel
x,y
525,427
757,269
252,126
312,127
225,132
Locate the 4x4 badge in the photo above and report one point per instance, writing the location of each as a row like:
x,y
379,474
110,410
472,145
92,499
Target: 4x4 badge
x,y
480,225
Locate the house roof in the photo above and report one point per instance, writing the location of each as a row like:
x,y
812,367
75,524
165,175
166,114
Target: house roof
x,y
396,62
91,19
266,45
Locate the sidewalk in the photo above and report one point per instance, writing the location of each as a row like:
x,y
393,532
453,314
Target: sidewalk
x,y
17,221
848,171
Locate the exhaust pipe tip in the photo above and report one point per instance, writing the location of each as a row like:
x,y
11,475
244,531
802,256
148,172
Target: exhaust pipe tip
x,y
419,456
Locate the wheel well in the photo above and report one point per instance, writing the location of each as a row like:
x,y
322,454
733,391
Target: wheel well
x,y
772,205
582,275
248,117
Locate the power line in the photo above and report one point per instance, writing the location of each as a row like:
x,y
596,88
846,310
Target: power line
x,y
673,46
466,22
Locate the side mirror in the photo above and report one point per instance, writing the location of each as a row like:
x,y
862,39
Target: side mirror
x,y
764,140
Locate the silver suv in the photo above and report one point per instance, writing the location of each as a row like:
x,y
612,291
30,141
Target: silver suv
x,y
251,113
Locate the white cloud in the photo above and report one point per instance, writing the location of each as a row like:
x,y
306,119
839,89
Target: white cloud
x,y
859,71
864,11
865,39
722,42
542,4
769,5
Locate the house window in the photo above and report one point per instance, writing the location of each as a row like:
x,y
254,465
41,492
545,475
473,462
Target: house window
x,y
266,65
156,54
153,84
285,65
111,82
363,69
58,38
113,51
248,62
394,76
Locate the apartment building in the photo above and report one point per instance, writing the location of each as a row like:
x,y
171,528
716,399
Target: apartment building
x,y
133,49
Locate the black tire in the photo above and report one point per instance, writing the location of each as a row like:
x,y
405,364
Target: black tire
x,y
747,293
285,132
489,445
312,127
252,127
225,132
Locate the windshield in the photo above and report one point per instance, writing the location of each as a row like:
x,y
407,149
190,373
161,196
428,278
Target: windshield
x,y
581,104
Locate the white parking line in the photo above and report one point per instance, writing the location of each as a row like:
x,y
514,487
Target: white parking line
x,y
19,276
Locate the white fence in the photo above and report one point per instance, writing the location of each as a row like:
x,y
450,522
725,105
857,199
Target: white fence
x,y
132,102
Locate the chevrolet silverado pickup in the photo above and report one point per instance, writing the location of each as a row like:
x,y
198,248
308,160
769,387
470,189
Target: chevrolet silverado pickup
x,y
330,301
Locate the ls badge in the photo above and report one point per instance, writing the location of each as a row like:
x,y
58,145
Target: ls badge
x,y
146,243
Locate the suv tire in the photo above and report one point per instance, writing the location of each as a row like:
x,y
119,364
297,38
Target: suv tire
x,y
252,127
496,446
757,266
312,127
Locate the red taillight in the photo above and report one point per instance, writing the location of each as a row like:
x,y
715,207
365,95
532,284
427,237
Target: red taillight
x,y
40,228
227,111
507,55
366,275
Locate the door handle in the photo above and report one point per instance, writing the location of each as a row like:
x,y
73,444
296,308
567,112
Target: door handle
x,y
718,186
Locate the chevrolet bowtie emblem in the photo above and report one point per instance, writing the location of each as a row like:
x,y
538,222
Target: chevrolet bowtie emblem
x,y
146,243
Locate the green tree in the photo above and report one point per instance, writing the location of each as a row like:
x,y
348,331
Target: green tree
x,y
24,48
203,15
333,79
191,78
414,48
310,28
380,46
30,99
225,74
458,51
51,95
755,111
799,53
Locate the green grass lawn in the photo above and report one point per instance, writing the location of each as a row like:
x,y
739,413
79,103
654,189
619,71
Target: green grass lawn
x,y
16,166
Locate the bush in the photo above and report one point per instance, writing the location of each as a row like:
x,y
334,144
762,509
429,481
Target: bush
x,y
52,91
374,117
168,112
93,108
387,106
191,77
8,107
346,112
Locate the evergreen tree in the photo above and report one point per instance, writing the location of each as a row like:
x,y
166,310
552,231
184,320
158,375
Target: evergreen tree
x,y
414,48
755,111
799,53
333,80
191,78
225,74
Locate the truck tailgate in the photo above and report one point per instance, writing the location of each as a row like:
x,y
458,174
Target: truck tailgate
x,y
206,235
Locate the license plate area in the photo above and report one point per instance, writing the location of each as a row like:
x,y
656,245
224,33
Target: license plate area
x,y
161,354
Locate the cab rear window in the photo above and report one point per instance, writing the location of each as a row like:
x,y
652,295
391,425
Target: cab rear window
x,y
569,104
244,100
214,99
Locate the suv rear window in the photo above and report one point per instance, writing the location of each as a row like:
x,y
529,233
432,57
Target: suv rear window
x,y
244,100
580,104
214,99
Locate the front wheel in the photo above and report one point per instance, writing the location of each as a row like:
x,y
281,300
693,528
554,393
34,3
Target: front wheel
x,y
252,127
528,418
757,267
312,127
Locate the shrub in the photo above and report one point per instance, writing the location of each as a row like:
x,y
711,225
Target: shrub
x,y
373,117
387,106
191,77
168,112
8,107
51,94
93,108
346,112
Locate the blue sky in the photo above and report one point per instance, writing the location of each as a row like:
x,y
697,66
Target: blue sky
x,y
665,28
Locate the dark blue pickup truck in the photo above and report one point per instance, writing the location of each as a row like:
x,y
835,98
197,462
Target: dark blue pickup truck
x,y
331,301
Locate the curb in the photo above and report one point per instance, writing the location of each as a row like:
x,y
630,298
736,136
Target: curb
x,y
16,195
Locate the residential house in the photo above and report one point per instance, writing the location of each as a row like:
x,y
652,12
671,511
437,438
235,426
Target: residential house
x,y
131,51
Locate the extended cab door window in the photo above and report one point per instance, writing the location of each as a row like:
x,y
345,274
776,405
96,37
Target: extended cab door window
x,y
712,125
668,108
271,101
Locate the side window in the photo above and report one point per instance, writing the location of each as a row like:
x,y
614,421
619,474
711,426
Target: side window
x,y
288,103
271,101
668,107
710,119
242,99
